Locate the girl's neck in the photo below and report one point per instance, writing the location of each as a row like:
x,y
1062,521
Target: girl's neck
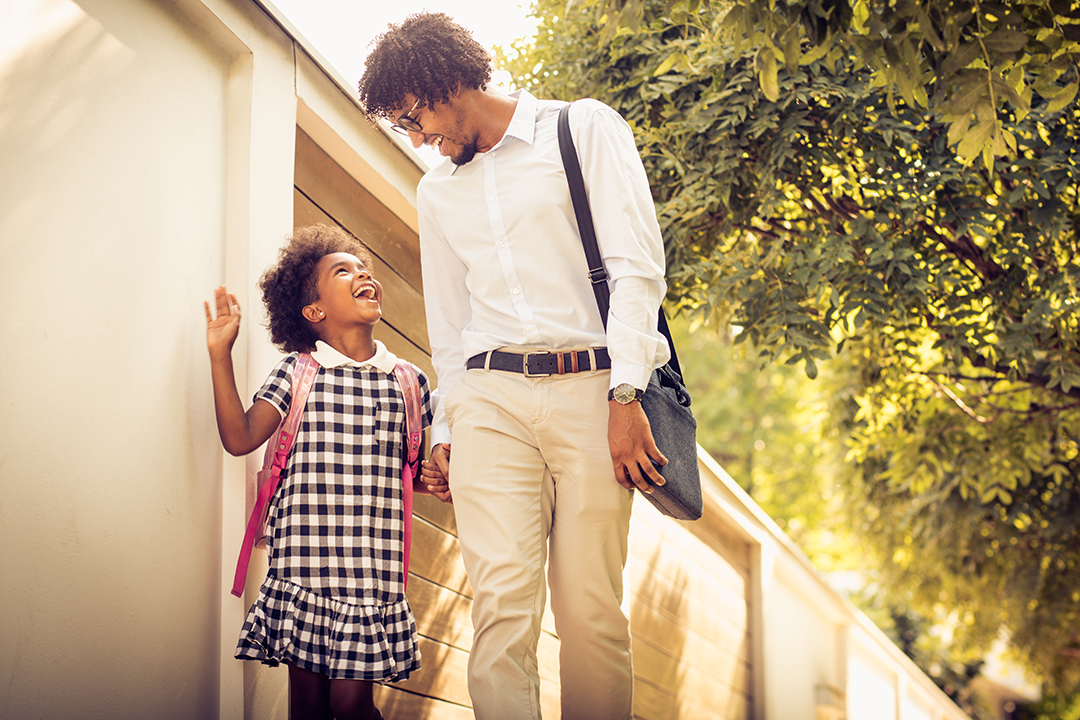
x,y
356,343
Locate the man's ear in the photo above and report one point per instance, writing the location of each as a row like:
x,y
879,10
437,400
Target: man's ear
x,y
313,314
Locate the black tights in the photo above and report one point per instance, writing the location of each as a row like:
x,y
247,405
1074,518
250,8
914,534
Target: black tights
x,y
316,697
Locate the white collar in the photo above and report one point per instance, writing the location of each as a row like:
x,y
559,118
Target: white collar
x,y
523,123
328,357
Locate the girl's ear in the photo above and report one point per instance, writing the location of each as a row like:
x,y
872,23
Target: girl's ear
x,y
313,314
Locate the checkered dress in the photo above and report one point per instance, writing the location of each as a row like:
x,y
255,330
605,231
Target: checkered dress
x,y
334,601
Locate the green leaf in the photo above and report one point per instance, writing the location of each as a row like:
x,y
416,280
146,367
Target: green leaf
x,y
669,62
959,128
1063,99
960,58
975,140
815,53
767,75
792,48
1005,41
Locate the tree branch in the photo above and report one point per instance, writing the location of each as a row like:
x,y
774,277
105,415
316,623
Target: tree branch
x,y
1042,381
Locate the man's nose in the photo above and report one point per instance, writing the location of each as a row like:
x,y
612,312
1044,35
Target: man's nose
x,y
418,139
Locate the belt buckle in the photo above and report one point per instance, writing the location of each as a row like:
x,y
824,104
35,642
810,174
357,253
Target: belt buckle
x,y
525,364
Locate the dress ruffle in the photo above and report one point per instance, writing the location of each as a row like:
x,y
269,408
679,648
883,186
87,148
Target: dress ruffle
x,y
289,623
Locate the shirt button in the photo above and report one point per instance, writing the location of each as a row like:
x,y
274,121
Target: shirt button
x,y
517,291
491,198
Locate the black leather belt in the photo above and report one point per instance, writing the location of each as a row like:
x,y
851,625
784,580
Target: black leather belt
x,y
544,362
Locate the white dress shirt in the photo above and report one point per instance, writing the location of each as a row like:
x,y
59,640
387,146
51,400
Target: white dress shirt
x,y
502,259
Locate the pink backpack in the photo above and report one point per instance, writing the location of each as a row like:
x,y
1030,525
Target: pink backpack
x,y
277,452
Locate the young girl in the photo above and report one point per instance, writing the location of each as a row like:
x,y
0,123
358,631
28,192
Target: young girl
x,y
332,606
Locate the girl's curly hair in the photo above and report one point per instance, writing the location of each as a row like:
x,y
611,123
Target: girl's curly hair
x,y
428,56
290,285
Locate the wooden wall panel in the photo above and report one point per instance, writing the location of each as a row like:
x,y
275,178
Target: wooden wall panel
x,y
353,207
689,619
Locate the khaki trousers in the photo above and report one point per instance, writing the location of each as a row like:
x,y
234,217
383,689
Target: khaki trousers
x,y
532,479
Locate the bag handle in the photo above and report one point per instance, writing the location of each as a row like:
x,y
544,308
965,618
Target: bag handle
x,y
274,459
597,273
410,392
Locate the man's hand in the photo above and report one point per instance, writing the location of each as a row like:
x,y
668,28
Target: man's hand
x,y
435,473
632,447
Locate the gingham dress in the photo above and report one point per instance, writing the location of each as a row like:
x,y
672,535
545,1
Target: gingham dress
x,y
333,601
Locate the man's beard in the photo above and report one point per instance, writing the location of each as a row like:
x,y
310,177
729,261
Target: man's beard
x,y
465,156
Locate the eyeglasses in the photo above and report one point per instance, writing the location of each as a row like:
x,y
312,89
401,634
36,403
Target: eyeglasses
x,y
406,124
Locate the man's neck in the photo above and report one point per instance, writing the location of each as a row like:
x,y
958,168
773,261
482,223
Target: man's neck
x,y
492,110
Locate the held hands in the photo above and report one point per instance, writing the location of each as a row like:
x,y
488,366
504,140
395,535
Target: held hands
x,y
633,449
435,473
222,331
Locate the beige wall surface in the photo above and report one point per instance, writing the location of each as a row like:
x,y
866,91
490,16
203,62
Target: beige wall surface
x,y
117,120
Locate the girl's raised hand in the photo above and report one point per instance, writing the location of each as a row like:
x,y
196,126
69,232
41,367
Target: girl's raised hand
x,y
222,331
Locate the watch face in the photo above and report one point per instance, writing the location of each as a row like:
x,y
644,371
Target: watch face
x,y
625,393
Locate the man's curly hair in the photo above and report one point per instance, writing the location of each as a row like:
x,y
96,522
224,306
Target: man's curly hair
x,y
290,285
428,56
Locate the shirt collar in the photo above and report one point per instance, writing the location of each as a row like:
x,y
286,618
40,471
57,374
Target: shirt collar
x,y
328,357
523,123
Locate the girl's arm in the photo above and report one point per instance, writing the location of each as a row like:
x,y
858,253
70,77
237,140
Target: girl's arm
x,y
240,432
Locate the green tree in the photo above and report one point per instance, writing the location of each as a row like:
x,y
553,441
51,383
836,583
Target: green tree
x,y
827,211
973,63
1052,708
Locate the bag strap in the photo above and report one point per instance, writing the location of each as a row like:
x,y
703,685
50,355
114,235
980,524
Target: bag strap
x,y
597,273
274,459
409,383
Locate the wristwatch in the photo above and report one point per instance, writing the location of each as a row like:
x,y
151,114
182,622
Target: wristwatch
x,y
624,394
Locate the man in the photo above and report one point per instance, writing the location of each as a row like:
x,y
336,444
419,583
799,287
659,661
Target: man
x,y
549,439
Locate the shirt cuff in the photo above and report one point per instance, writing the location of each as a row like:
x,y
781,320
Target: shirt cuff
x,y
636,375
440,429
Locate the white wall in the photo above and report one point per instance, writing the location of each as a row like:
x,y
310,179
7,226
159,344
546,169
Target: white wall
x,y
871,690
817,656
803,650
127,193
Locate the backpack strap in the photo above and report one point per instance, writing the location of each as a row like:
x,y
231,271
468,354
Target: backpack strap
x,y
407,379
274,459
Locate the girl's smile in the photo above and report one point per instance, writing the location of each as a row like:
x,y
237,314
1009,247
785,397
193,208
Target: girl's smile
x,y
368,289
347,292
